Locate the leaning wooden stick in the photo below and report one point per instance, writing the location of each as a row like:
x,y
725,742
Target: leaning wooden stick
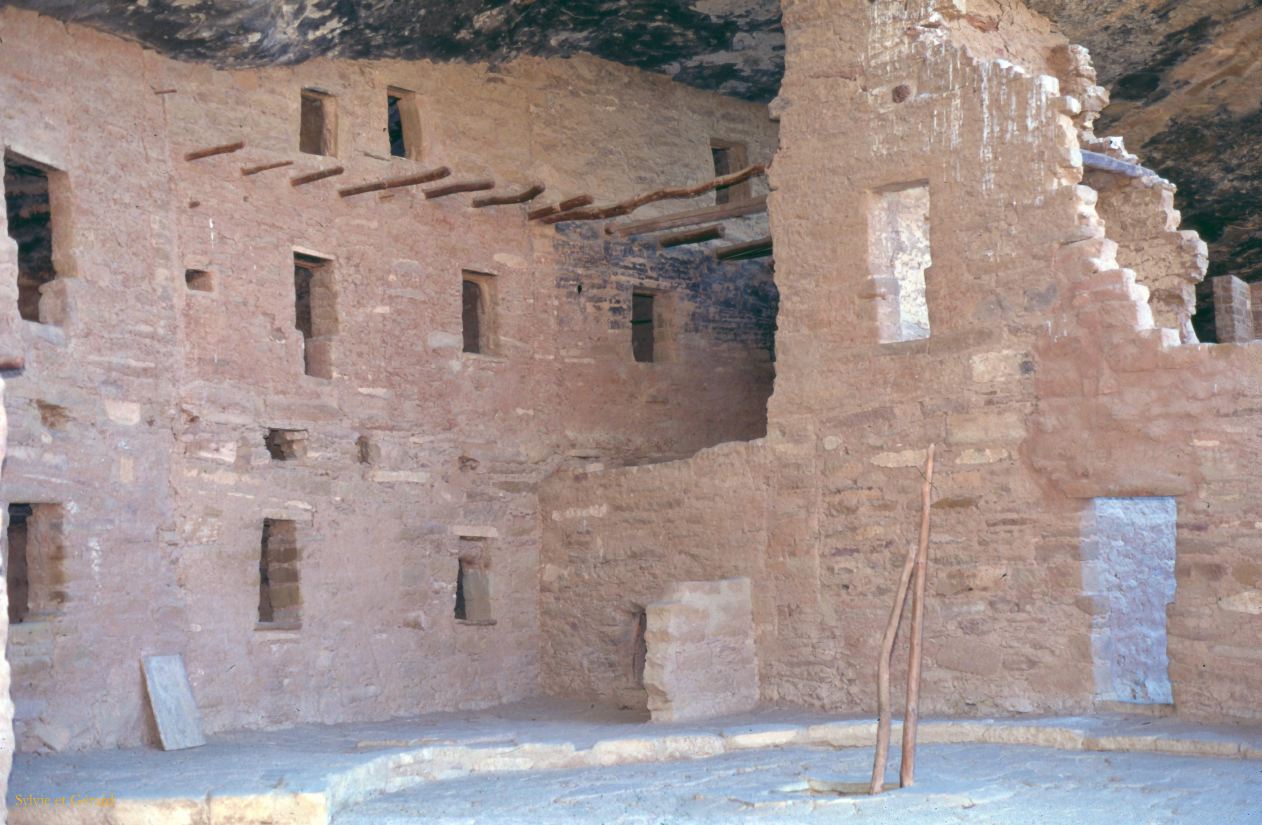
x,y
911,716
883,674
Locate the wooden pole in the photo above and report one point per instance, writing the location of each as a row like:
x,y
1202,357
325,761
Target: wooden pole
x,y
628,206
458,187
759,248
883,674
911,716
312,177
690,218
246,171
222,149
395,183
507,200
564,206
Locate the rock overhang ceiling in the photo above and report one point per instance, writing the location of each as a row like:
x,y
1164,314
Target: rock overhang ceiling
x,y
1186,75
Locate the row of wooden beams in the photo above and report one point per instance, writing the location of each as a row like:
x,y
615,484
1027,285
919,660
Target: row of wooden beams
x,y
312,177
222,149
759,248
506,200
692,217
394,183
690,236
628,206
564,206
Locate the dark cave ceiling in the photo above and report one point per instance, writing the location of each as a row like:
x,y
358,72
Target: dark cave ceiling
x,y
1186,75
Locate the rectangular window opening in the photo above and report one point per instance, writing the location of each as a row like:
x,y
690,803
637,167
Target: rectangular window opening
x,y
317,133
899,255
403,123
199,280
286,445
1128,571
729,157
315,312
473,583
639,646
477,312
29,208
35,553
643,327
280,601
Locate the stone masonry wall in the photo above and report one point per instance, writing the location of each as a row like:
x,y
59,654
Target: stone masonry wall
x,y
144,413
1044,382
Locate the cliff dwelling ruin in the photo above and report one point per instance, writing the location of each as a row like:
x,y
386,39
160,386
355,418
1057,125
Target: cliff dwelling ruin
x,y
524,411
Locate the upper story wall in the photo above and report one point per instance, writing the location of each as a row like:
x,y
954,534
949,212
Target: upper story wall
x,y
142,413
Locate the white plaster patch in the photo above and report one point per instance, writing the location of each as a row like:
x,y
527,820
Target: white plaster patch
x,y
996,366
595,511
904,458
444,341
405,476
987,456
122,412
831,442
511,261
475,531
1248,601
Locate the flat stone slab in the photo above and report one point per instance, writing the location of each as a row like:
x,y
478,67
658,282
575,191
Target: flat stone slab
x,y
171,699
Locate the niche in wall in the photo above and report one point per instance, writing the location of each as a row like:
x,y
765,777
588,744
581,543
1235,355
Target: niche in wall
x,y
898,255
199,280
1128,550
286,445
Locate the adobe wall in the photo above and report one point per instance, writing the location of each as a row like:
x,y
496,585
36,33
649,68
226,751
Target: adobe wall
x,y
1045,384
416,454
